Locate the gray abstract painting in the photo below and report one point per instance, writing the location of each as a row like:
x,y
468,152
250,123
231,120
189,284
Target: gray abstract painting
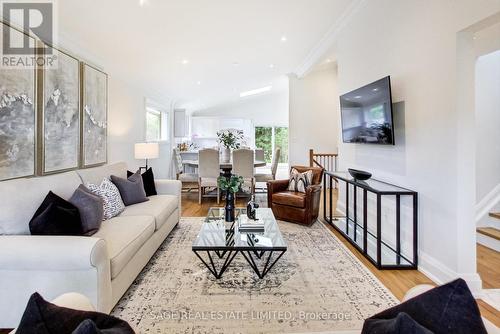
x,y
61,114
17,122
94,116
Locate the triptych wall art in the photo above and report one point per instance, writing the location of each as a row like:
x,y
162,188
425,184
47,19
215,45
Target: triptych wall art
x,y
52,119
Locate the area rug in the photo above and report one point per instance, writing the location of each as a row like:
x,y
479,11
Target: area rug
x,y
317,286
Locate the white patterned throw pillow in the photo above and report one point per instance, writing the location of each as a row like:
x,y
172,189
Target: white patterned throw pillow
x,y
299,181
113,203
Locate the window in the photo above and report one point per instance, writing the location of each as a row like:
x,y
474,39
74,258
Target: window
x,y
154,124
269,139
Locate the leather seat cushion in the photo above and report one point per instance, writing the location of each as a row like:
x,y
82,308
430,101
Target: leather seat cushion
x,y
158,206
290,198
124,237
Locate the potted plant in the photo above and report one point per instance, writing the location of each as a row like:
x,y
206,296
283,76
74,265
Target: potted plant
x,y
231,186
229,139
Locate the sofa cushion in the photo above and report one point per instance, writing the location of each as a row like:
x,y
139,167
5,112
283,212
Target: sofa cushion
x,y
159,206
124,236
95,175
18,209
112,200
91,208
131,188
291,198
56,216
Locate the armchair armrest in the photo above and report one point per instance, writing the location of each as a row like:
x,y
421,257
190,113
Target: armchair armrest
x,y
277,185
51,265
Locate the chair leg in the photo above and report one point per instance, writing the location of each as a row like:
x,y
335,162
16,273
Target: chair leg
x,y
199,193
218,195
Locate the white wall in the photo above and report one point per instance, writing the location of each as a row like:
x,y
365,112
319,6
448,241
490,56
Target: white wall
x,y
314,115
415,42
266,109
487,124
126,126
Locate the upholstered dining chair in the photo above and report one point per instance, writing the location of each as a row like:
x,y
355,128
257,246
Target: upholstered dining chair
x,y
208,172
243,165
185,178
294,206
264,177
259,154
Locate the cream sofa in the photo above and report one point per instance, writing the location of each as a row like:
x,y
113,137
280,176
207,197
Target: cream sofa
x,y
101,267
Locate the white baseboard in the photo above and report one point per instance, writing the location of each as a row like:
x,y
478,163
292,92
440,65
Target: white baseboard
x,y
441,274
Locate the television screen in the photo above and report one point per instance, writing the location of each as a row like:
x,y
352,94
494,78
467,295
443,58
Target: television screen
x,y
367,114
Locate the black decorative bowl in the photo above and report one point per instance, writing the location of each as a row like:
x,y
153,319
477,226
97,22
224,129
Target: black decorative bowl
x,y
359,174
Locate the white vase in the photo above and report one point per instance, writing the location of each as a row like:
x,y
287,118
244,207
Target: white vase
x,y
226,155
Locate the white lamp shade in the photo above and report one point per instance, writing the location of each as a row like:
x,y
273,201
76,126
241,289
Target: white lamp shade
x,y
146,150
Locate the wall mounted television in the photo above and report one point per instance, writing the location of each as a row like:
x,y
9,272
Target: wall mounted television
x,y
367,114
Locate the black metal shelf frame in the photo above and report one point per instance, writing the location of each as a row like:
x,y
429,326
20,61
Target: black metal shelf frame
x,y
365,188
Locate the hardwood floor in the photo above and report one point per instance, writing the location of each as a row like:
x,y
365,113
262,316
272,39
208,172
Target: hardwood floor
x,y
397,281
488,267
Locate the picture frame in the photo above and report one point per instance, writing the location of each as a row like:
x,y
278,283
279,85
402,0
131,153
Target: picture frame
x,y
94,114
18,120
60,115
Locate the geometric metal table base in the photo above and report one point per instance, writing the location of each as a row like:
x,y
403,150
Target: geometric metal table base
x,y
230,254
249,257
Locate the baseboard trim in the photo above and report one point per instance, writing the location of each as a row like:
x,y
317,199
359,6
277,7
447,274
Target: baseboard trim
x,y
441,274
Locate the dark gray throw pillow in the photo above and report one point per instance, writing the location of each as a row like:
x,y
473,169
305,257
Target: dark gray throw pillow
x,y
91,208
131,189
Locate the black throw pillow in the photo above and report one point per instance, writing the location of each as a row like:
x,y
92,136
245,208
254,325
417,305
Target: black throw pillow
x,y
148,179
56,216
42,317
402,324
449,308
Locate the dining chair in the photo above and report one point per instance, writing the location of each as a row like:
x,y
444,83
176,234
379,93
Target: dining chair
x,y
208,172
259,154
185,178
243,165
264,177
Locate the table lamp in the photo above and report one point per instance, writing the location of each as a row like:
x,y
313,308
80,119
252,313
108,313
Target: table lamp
x,y
146,151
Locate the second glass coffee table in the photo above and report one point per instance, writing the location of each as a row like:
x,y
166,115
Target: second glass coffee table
x,y
223,241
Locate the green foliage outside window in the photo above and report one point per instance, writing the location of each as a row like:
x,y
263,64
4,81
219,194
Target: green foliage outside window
x,y
281,142
264,140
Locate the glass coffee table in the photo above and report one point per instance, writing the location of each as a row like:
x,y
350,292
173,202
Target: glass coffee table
x,y
222,241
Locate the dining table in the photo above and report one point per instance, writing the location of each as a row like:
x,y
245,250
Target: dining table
x,y
227,167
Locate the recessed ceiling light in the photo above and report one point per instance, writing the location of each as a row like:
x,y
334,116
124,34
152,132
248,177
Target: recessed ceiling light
x,y
271,66
358,97
198,83
143,2
283,38
328,60
256,91
185,62
375,89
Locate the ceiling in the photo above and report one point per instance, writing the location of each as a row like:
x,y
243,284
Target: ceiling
x,y
199,53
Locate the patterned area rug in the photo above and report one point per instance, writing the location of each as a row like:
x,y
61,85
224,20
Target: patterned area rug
x,y
317,286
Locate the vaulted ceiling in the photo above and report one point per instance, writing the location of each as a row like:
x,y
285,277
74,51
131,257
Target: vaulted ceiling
x,y
199,53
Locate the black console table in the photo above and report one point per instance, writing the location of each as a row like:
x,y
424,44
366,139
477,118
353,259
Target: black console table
x,y
384,254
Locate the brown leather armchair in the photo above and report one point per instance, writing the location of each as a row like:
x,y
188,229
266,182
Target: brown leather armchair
x,y
296,207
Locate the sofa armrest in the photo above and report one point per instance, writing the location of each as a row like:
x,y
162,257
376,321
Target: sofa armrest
x,y
23,252
170,187
51,265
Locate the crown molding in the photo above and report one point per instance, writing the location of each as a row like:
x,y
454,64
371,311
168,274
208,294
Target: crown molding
x,y
327,41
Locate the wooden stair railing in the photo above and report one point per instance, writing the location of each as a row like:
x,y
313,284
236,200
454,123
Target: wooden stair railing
x,y
327,161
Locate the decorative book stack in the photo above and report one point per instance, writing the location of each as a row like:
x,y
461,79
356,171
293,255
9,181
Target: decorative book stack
x,y
247,225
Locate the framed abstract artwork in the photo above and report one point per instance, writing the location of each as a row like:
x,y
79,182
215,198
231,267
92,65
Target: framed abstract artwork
x,y
17,117
60,137
94,116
